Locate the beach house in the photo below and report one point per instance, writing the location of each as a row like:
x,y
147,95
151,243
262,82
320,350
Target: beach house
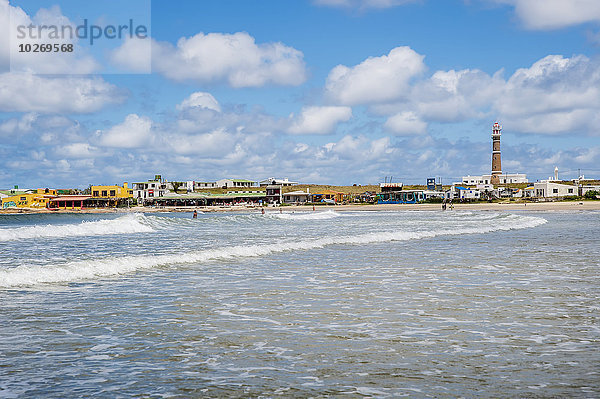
x,y
280,182
38,199
296,197
150,189
553,189
111,195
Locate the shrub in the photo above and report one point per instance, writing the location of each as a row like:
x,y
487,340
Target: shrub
x,y
592,194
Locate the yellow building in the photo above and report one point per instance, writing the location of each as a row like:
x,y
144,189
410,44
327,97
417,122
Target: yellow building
x,y
112,192
109,196
46,191
35,200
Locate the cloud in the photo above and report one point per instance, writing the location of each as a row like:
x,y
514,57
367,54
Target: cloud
x,y
76,62
78,150
555,95
215,144
555,14
133,132
363,4
405,123
133,56
219,57
25,92
319,120
200,100
377,79
18,125
360,148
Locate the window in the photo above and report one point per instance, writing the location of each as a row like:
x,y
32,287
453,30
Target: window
x,y
555,190
570,191
96,194
104,193
113,193
23,198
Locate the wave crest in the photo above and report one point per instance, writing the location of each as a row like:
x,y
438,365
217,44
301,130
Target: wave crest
x,y
329,214
134,223
82,270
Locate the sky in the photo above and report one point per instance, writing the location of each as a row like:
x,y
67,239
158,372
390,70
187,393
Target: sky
x,y
319,91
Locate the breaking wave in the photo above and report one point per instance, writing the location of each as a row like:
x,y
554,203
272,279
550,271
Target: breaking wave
x,y
27,275
134,223
306,215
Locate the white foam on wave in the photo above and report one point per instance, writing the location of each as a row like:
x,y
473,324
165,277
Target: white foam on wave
x,y
329,214
133,223
27,275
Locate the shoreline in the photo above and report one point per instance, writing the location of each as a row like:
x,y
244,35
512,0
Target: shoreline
x,y
496,206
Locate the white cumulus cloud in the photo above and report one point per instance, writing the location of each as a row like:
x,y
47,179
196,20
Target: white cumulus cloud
x,y
12,17
319,120
406,123
555,14
376,79
233,58
200,100
26,92
133,132
555,95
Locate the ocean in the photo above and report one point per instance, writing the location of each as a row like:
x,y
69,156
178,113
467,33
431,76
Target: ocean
x,y
305,304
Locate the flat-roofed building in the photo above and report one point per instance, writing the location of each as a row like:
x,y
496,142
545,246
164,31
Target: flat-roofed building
x,y
281,182
296,197
505,178
235,183
552,189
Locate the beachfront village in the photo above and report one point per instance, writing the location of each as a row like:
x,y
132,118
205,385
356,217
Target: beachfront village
x,y
276,191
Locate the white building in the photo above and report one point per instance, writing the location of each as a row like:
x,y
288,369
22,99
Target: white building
x,y
200,185
551,189
280,182
150,189
588,187
235,183
296,197
505,178
458,192
429,194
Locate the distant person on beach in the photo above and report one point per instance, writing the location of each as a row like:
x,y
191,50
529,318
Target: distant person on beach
x,y
195,215
262,211
314,208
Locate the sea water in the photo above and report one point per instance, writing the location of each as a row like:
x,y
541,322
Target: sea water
x,y
325,303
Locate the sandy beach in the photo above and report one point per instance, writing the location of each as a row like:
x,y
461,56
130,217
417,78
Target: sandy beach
x,y
494,206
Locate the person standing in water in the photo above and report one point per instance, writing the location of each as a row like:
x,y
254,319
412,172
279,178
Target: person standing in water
x,y
262,211
195,215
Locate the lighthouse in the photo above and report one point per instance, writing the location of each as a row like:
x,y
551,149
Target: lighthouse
x,y
496,157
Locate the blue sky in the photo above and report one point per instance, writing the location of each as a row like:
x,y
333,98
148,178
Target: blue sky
x,y
322,91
